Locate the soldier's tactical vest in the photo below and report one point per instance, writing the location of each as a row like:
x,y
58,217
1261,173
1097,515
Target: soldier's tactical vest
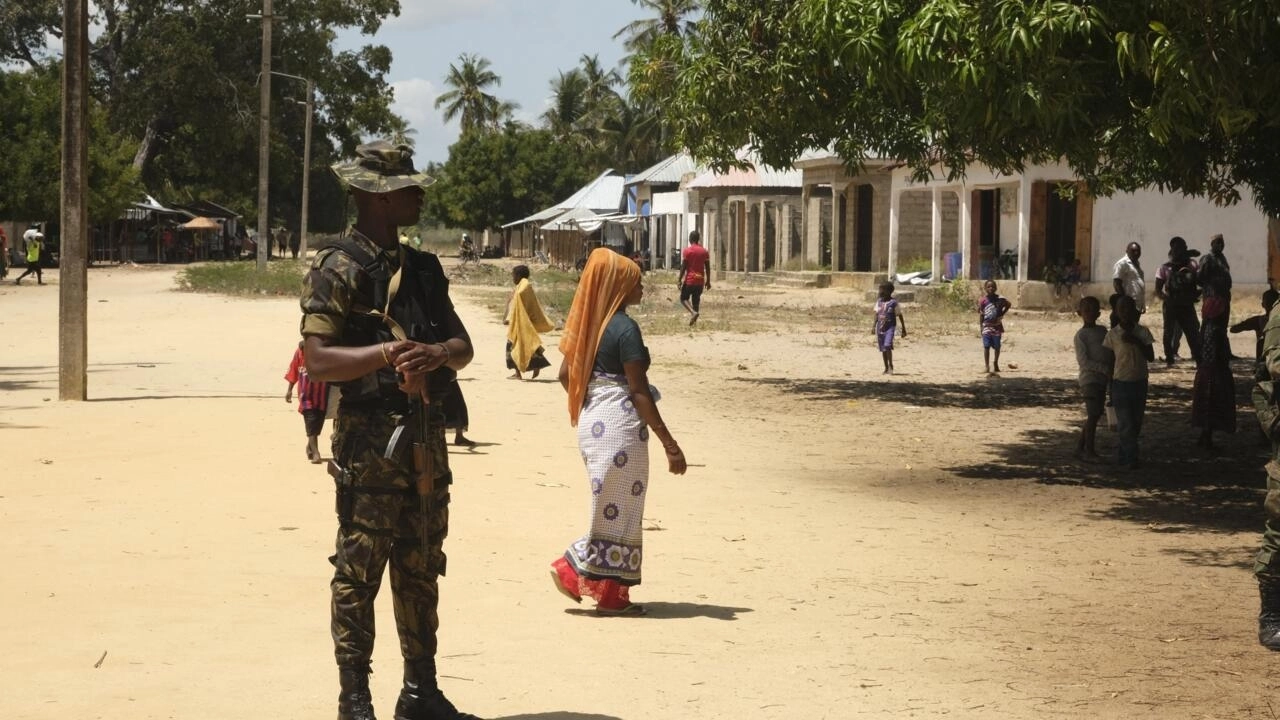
x,y
420,306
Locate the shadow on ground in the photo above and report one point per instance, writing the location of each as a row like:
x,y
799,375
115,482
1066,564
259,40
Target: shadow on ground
x,y
1178,488
673,611
563,715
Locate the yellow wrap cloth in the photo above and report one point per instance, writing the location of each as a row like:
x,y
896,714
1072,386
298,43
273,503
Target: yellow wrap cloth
x,y
525,320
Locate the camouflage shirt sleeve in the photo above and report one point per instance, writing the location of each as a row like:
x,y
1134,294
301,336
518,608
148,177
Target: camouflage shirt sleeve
x,y
328,293
1271,346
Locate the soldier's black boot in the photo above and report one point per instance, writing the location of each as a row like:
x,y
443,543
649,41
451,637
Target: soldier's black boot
x,y
1269,616
355,702
420,699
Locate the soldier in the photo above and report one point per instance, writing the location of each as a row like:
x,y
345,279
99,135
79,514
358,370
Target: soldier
x,y
1266,567
377,320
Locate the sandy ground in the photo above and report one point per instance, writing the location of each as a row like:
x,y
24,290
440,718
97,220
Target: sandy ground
x,y
844,545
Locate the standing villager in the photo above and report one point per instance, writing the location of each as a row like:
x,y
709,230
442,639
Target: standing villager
x,y
606,374
1131,343
35,245
991,311
888,318
1128,278
377,320
1213,397
1095,362
1178,290
456,415
524,320
695,275
1257,324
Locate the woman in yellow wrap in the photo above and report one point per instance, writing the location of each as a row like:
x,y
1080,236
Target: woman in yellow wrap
x,y
605,372
525,320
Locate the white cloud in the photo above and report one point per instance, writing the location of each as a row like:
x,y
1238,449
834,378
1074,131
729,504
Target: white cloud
x,y
421,14
415,101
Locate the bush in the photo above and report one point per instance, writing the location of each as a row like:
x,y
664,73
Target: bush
x,y
282,277
915,264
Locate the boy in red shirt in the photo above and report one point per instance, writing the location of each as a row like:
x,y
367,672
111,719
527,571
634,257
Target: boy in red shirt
x,y
313,402
695,262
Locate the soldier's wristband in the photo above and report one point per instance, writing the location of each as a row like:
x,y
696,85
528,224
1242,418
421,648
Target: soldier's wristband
x,y
447,355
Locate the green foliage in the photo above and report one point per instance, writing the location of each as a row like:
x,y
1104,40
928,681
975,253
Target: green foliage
x,y
31,113
177,85
915,264
282,277
495,178
1180,94
959,296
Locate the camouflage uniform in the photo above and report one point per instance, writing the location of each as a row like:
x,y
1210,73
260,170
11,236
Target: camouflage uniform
x,y
1266,567
378,509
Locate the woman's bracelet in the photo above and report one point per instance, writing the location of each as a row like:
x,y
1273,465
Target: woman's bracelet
x,y
386,360
447,355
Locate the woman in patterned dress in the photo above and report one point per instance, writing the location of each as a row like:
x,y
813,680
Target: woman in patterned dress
x,y
605,372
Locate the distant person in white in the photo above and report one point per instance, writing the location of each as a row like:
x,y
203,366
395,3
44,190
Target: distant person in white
x,y
1128,277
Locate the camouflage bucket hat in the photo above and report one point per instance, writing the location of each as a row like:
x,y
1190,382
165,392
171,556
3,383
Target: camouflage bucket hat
x,y
380,167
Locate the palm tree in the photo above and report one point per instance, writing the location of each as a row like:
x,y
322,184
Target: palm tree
x,y
672,18
633,136
568,103
469,80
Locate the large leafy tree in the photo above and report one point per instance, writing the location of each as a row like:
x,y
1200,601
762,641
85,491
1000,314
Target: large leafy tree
x,y
468,99
30,112
1176,93
494,178
180,78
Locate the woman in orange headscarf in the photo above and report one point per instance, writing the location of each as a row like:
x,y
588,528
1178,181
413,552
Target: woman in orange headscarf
x,y
605,372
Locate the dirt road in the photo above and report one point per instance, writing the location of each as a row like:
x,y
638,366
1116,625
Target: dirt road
x,y
844,545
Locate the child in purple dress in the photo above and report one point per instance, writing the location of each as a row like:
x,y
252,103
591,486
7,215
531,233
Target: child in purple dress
x,y
991,311
888,317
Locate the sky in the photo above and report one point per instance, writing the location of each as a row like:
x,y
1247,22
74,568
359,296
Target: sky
x,y
528,43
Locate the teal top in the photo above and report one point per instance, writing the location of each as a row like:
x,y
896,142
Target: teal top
x,y
620,343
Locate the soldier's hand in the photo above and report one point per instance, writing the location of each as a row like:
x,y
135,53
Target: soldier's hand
x,y
288,397
413,383
411,357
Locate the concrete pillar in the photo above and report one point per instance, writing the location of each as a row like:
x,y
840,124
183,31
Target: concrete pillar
x,y
895,216
935,255
968,269
761,236
1024,226
805,194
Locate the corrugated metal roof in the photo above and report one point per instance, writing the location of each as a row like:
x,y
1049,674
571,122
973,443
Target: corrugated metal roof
x,y
603,196
670,170
759,175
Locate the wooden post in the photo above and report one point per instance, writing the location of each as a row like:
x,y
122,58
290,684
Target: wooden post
x,y
73,277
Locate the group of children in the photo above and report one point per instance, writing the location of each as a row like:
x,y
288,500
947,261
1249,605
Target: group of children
x,y
991,312
1112,362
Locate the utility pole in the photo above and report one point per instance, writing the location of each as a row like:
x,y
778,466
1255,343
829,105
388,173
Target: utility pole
x,y
73,276
306,167
310,104
264,138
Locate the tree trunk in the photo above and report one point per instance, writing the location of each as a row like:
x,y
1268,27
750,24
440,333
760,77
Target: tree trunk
x,y
148,145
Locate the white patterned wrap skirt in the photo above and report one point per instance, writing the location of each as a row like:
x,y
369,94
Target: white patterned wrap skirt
x,y
614,442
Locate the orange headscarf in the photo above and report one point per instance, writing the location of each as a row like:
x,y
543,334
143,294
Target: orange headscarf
x,y
606,281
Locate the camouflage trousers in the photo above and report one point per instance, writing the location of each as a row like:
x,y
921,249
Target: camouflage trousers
x,y
1266,566
381,522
